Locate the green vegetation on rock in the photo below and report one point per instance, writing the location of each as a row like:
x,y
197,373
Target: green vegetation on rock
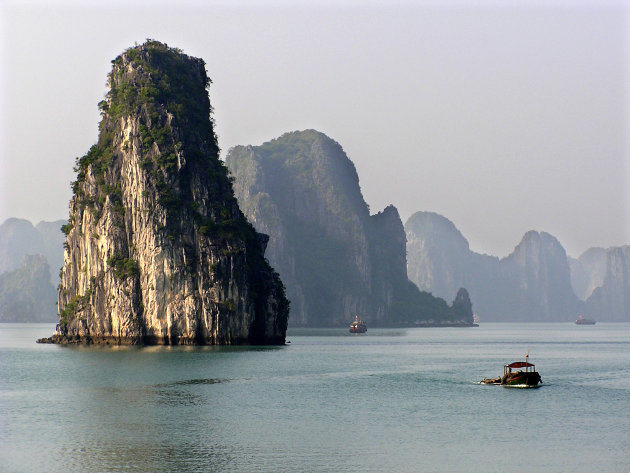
x,y
124,267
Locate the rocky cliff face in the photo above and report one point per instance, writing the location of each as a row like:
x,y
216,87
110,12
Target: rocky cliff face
x,y
440,260
610,299
539,280
531,284
157,249
336,259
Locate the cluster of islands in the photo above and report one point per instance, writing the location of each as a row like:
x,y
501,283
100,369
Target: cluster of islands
x,y
167,244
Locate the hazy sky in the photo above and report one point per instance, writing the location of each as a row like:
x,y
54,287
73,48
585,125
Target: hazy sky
x,y
502,116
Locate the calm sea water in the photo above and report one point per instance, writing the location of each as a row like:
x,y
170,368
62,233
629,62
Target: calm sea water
x,y
386,401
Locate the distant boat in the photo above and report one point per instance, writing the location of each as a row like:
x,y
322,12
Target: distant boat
x,y
520,374
583,321
358,326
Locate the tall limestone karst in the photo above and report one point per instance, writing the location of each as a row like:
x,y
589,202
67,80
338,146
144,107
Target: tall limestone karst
x,y
157,249
538,281
440,259
335,258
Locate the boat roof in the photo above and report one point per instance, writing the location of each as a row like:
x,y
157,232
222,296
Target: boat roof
x,y
519,364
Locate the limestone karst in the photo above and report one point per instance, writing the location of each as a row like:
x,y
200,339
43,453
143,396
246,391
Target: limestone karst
x,y
335,258
537,282
157,249
608,295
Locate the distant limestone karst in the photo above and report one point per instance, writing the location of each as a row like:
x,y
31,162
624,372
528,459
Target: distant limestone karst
x,y
157,250
19,237
26,294
607,288
537,282
30,259
335,258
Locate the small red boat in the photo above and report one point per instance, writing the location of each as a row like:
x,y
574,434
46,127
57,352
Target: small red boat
x,y
358,326
584,321
520,374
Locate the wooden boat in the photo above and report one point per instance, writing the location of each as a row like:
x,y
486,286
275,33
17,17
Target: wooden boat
x,y
358,326
520,374
584,321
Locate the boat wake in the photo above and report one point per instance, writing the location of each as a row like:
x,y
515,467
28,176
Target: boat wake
x,y
522,386
517,386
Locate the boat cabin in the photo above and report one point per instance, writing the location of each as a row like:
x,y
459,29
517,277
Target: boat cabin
x,y
518,365
518,374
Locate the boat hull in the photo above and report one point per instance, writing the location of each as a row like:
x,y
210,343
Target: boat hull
x,y
522,386
529,379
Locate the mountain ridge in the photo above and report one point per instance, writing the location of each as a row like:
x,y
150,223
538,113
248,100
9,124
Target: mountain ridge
x,y
537,281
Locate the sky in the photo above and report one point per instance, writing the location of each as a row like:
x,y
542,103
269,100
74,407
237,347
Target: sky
x,y
503,116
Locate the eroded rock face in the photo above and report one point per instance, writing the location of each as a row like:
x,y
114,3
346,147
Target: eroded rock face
x,y
303,191
538,280
157,249
438,255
